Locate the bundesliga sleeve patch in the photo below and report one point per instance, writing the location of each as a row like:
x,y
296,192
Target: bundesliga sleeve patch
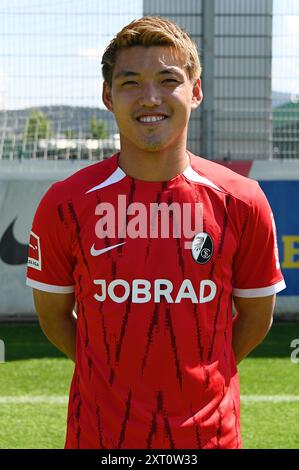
x,y
34,256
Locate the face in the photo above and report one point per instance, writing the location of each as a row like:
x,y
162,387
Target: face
x,y
151,97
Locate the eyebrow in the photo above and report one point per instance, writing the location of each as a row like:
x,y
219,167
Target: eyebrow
x,y
126,73
170,71
130,73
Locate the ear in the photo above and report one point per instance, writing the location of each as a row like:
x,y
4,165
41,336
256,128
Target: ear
x,y
197,95
107,96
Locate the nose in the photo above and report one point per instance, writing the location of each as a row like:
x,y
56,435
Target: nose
x,y
150,95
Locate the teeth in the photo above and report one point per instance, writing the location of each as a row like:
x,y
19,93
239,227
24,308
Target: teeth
x,y
151,118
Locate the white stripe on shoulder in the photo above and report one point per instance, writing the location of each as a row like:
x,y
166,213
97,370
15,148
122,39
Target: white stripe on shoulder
x,y
116,176
49,287
260,291
191,175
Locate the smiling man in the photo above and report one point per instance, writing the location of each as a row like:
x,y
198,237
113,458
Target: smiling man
x,y
152,96
154,341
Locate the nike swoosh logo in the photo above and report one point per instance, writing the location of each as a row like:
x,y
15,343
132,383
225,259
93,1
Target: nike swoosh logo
x,y
95,252
11,251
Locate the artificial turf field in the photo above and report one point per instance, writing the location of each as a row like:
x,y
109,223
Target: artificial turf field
x,y
35,379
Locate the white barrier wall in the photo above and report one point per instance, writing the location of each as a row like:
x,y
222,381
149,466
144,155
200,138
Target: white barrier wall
x,y
22,185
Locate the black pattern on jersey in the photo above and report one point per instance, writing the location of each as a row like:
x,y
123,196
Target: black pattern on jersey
x,y
199,344
153,324
225,337
125,421
107,243
99,427
223,233
60,213
75,221
78,432
167,430
219,428
86,340
207,377
215,324
197,429
97,196
211,275
132,191
81,311
164,186
72,414
90,365
106,343
111,377
198,333
236,424
245,222
180,256
130,200
123,329
178,240
168,433
204,223
199,200
119,343
113,268
61,216
159,402
154,428
77,410
153,221
220,248
225,220
173,345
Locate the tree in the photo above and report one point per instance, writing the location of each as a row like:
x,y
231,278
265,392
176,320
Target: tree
x,y
70,134
38,126
98,128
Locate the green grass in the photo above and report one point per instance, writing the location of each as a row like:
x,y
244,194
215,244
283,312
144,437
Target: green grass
x,y
34,367
270,425
35,426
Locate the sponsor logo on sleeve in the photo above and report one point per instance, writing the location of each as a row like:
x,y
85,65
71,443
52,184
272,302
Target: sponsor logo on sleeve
x,y
34,258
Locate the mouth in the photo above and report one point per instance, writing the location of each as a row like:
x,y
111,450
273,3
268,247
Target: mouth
x,y
151,119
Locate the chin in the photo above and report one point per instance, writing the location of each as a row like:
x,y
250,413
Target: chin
x,y
154,146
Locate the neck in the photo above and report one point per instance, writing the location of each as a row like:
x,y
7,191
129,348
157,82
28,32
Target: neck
x,y
154,166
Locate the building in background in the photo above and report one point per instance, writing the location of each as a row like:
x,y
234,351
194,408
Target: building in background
x,y
50,66
234,39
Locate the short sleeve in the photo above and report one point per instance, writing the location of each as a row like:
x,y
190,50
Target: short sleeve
x,y
256,269
50,262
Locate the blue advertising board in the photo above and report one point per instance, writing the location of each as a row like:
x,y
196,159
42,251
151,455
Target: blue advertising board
x,y
283,197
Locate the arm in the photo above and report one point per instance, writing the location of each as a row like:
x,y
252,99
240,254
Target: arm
x,y
55,313
252,323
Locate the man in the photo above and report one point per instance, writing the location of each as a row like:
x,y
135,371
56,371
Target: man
x,y
154,344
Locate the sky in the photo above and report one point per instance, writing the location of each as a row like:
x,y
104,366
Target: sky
x,y
285,47
50,50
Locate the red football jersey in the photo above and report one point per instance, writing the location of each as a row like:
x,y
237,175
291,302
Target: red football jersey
x,y
154,361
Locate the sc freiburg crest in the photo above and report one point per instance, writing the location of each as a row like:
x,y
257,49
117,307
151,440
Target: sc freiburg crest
x,y
202,248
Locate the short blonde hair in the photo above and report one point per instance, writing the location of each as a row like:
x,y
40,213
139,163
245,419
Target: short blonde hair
x,y
153,31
